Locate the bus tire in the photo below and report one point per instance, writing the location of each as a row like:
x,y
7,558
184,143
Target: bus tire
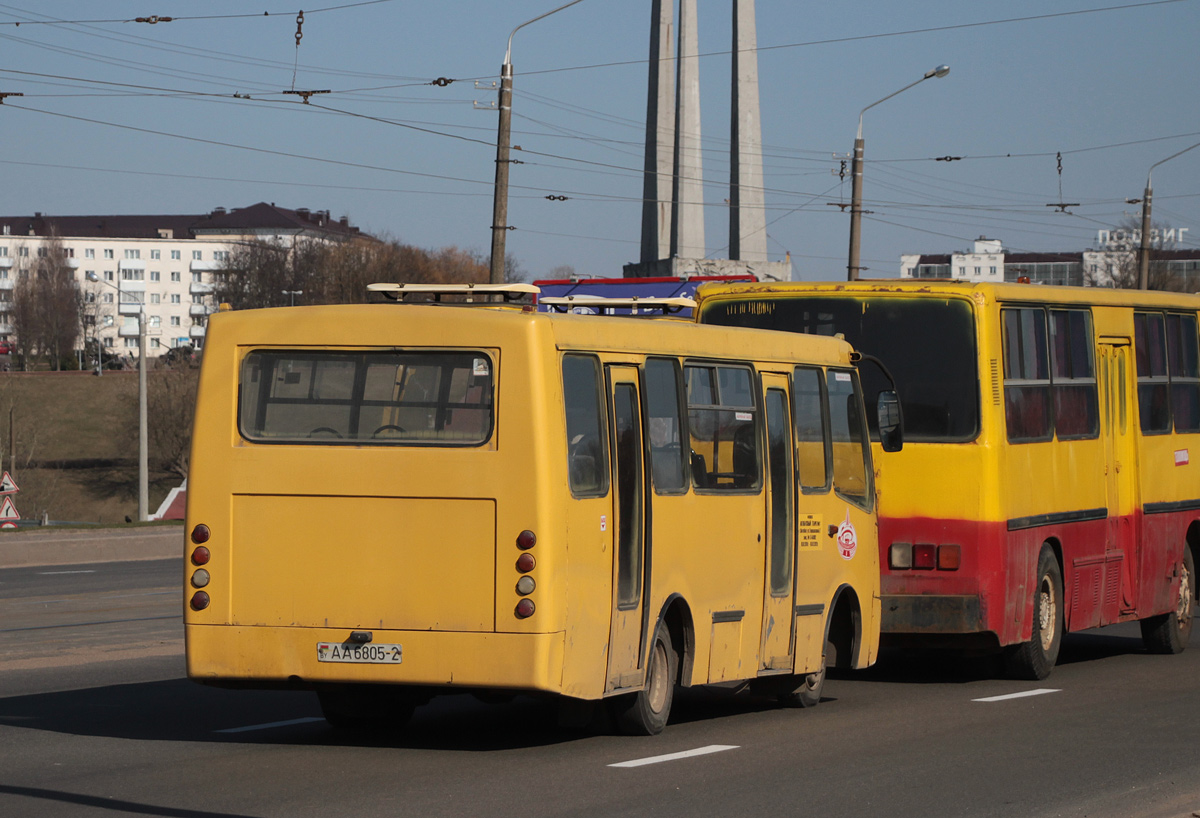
x,y
645,713
366,709
1035,659
804,690
1169,632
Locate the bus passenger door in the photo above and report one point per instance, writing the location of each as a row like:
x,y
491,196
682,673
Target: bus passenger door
x,y
778,594
626,635
1121,553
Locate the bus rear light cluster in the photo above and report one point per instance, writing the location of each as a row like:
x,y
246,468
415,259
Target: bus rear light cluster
x,y
525,584
924,556
200,577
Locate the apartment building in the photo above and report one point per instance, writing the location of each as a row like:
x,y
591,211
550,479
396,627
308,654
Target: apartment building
x,y
162,264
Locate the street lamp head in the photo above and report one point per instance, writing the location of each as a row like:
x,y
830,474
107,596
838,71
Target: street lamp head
x,y
940,71
91,276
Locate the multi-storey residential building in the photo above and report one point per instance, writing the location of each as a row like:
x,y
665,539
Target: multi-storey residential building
x,y
989,261
163,265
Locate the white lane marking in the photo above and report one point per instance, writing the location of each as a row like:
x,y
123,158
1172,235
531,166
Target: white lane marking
x,y
269,725
699,751
56,573
1041,691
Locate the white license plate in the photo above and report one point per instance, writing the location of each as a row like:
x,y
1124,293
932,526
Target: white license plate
x,y
359,654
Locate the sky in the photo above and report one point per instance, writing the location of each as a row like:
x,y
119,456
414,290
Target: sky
x,y
1068,101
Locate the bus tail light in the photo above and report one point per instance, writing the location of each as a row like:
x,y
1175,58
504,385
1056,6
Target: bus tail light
x,y
525,608
924,555
526,540
201,556
949,557
199,601
525,563
900,555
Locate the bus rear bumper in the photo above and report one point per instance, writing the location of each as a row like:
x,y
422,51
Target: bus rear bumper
x,y
931,614
286,657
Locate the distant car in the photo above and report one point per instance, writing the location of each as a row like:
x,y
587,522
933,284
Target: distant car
x,y
7,348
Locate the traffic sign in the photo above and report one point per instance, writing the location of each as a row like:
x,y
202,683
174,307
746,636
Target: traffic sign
x,y
8,511
8,485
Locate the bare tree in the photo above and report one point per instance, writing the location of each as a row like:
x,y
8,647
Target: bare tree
x,y
46,304
257,274
1123,273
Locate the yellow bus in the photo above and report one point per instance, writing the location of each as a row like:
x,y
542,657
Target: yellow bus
x,y
391,501
1046,482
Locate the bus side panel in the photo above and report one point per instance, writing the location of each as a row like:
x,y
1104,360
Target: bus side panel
x,y
1170,480
722,551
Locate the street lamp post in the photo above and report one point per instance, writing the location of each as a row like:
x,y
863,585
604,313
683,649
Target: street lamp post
x,y
1144,248
143,436
292,294
503,140
856,170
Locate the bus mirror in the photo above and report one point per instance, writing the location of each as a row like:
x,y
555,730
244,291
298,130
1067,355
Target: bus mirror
x,y
891,426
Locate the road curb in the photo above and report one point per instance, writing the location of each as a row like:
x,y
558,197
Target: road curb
x,y
25,549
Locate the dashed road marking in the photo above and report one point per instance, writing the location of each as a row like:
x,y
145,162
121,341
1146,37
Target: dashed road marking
x,y
1041,691
699,751
269,725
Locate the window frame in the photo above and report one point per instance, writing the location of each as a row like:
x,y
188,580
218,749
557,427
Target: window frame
x,y
756,420
680,417
600,382
356,402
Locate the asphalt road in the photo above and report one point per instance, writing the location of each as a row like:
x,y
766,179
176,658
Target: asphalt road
x,y
96,719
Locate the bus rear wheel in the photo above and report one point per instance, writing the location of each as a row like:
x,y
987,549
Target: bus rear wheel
x,y
804,689
1169,632
1035,659
645,713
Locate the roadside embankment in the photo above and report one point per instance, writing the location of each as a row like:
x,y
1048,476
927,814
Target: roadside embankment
x,y
22,549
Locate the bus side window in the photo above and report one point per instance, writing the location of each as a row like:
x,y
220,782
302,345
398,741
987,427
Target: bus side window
x,y
1076,414
812,442
1184,369
850,440
1154,405
1026,375
722,426
664,425
587,464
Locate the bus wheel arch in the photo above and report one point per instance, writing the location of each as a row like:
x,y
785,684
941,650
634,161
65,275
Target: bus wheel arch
x,y
1035,658
843,630
647,711
676,616
1169,633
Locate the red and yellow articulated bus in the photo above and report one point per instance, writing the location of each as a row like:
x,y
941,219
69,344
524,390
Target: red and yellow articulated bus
x,y
1046,482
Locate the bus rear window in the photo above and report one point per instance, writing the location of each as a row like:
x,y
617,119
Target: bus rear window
x,y
374,398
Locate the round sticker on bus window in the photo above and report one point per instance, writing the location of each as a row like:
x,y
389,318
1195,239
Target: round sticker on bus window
x,y
847,538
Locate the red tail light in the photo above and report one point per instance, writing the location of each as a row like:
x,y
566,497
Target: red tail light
x,y
525,609
526,540
200,534
200,601
924,556
201,556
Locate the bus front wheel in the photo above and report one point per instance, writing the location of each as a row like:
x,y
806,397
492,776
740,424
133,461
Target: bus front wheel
x,y
1169,632
1035,659
645,713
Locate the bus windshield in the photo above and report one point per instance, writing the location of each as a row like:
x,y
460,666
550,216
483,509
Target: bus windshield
x,y
927,344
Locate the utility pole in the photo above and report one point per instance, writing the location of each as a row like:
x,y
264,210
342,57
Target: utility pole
x,y
500,198
1144,249
500,226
